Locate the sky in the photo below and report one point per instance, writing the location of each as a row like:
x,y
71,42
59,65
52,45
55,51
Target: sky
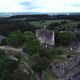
x,y
51,6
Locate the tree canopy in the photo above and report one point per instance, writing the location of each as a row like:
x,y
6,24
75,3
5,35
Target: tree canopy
x,y
32,44
15,38
64,38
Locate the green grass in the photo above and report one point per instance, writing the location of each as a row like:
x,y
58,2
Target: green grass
x,y
47,22
41,24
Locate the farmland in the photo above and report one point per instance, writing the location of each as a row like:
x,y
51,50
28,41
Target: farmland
x,y
68,23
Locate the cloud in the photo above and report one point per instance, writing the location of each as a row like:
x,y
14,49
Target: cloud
x,y
28,5
39,5
11,5
51,5
73,5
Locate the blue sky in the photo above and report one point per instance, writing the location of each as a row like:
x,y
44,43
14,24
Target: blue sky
x,y
39,5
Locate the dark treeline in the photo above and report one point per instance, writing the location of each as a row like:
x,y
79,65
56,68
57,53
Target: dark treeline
x,y
7,28
69,17
40,17
37,16
24,17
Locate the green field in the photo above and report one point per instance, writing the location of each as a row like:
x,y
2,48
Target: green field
x,y
41,23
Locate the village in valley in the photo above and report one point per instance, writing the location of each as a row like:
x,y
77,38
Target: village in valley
x,y
40,47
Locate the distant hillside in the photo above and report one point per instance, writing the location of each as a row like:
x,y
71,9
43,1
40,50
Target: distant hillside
x,y
7,14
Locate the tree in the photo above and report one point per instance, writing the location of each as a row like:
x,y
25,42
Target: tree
x,y
39,64
78,36
7,66
78,27
53,26
15,38
32,44
39,59
63,22
64,38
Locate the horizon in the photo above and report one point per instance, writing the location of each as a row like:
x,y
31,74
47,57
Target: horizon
x,y
8,14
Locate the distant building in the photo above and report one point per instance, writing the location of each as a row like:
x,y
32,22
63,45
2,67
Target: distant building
x,y
46,37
